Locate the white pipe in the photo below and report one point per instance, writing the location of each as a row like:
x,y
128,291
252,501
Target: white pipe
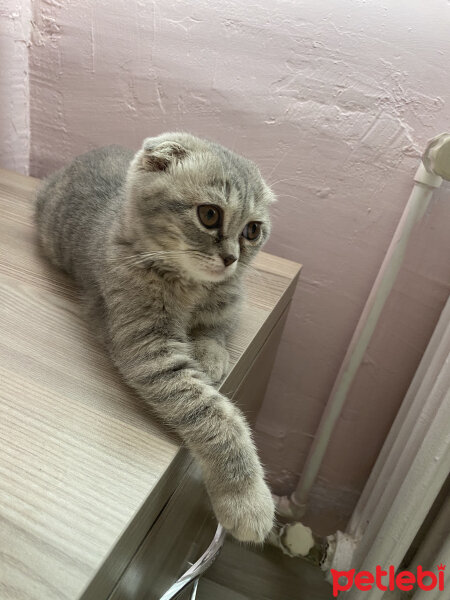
x,y
425,183
409,478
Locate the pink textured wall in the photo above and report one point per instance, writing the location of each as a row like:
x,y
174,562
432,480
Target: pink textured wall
x,y
14,93
335,101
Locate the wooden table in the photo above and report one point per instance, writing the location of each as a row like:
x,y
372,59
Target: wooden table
x,y
86,473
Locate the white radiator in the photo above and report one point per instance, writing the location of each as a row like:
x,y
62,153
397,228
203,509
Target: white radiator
x,y
405,481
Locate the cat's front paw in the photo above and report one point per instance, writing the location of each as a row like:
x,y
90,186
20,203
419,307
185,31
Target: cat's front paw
x,y
248,514
212,357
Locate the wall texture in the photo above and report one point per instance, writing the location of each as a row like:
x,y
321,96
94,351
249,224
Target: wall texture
x,y
335,101
14,93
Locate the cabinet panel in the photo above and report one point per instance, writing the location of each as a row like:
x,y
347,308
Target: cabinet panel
x,y
179,536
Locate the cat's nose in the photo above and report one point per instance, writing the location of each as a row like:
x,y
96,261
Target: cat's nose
x,y
228,259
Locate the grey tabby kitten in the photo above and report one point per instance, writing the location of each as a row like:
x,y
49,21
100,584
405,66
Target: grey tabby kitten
x,y
158,242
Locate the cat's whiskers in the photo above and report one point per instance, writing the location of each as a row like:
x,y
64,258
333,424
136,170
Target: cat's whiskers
x,y
223,179
288,196
276,182
275,167
147,257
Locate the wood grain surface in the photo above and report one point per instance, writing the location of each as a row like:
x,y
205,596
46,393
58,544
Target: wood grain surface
x,y
84,467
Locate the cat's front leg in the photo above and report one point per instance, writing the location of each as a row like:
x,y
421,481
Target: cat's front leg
x,y
212,357
211,327
159,367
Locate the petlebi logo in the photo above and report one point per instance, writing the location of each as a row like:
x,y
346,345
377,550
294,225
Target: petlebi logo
x,y
388,580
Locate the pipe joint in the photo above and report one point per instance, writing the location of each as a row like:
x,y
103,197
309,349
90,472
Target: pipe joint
x,y
436,157
426,177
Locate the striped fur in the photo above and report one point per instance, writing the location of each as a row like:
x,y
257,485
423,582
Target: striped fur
x,y
157,292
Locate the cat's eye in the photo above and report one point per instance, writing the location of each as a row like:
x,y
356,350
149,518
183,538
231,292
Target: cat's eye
x,y
210,216
252,231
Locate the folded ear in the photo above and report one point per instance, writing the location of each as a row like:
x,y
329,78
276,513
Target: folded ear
x,y
157,155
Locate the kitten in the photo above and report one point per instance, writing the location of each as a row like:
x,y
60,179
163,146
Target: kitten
x,y
158,243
